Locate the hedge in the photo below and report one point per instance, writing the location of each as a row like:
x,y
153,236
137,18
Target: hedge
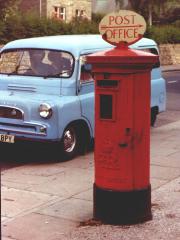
x,y
24,26
18,26
164,34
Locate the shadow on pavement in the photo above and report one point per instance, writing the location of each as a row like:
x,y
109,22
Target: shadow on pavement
x,y
12,155
20,153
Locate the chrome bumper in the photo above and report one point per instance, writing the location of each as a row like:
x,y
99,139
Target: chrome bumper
x,y
27,128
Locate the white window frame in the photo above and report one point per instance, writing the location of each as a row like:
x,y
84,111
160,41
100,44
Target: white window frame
x,y
80,13
60,12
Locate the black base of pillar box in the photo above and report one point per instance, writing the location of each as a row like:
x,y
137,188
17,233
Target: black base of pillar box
x,y
116,207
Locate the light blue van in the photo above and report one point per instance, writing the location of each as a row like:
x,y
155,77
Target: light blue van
x,y
47,90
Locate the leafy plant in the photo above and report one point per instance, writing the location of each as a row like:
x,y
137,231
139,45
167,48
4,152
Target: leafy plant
x,y
30,25
164,34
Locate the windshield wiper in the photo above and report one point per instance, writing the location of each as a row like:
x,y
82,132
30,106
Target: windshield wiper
x,y
57,74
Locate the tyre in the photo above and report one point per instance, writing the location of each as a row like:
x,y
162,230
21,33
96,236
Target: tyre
x,y
154,113
74,141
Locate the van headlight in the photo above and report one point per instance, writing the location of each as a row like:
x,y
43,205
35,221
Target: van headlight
x,y
45,110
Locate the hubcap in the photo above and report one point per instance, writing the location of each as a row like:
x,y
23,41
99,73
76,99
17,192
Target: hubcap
x,y
69,140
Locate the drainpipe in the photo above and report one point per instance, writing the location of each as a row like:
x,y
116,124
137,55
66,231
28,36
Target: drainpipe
x,y
40,8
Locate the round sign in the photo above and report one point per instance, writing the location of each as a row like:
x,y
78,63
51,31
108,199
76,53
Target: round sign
x,y
122,27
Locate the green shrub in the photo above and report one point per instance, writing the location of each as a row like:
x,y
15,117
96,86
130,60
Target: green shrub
x,y
12,29
78,26
30,25
177,23
164,34
96,17
35,26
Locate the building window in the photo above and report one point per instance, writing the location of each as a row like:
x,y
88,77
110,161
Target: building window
x,y
59,13
80,13
77,13
62,13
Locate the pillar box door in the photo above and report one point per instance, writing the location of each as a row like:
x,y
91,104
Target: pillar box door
x,y
113,132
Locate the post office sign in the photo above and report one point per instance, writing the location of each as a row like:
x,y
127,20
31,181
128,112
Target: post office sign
x,y
123,26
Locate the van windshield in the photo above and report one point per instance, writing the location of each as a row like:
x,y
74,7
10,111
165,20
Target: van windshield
x,y
37,62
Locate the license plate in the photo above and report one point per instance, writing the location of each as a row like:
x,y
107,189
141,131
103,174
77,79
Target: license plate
x,y
6,138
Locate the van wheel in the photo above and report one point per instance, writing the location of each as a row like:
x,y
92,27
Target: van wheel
x,y
154,112
72,142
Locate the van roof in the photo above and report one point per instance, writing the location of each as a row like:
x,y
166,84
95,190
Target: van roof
x,y
71,43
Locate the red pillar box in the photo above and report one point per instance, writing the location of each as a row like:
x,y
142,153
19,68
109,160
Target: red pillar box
x,y
122,191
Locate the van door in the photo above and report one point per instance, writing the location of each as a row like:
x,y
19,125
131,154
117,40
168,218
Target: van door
x,y
86,92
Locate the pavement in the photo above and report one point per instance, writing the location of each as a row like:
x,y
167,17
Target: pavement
x,y
168,68
54,200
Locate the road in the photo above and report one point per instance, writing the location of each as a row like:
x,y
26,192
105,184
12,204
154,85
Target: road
x,y
173,81
14,155
173,99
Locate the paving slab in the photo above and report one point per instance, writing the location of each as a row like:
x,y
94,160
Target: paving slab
x,y
20,178
71,209
166,145
167,117
4,219
163,152
172,160
66,184
164,173
37,227
15,185
37,169
86,195
156,182
165,224
6,238
14,202
85,162
164,149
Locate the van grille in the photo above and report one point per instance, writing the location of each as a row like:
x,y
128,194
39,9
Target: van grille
x,y
10,112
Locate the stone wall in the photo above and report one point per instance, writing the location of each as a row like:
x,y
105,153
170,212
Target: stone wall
x,y
169,54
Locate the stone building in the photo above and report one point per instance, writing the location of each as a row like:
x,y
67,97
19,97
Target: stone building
x,y
61,9
103,6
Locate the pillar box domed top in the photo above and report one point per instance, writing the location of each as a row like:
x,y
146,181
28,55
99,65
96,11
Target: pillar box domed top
x,y
122,58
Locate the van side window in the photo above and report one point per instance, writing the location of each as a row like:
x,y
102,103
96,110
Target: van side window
x,y
86,75
153,51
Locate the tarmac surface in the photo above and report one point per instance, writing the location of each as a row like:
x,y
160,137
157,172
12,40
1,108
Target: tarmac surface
x,y
54,200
